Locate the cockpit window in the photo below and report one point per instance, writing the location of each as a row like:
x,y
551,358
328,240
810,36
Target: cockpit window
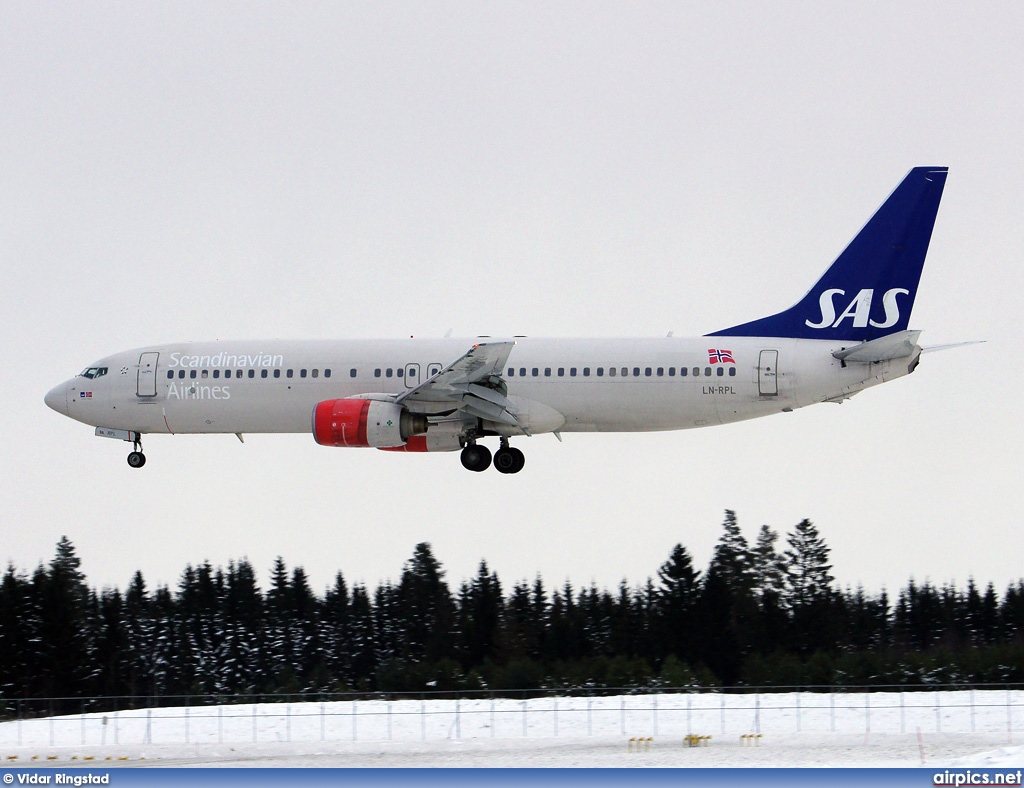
x,y
94,372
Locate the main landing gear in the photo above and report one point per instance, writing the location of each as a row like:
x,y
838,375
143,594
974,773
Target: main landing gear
x,y
137,459
506,460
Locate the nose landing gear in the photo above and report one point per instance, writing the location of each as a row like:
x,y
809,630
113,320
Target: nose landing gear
x,y
137,459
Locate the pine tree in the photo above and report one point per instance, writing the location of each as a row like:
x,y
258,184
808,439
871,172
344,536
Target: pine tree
x,y
481,605
807,568
426,610
64,631
768,568
674,604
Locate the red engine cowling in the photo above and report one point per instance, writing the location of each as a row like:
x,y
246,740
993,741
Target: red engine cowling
x,y
364,422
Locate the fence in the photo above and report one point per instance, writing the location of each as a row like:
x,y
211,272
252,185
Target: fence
x,y
405,717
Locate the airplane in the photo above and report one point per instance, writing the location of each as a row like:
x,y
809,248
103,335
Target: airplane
x,y
848,333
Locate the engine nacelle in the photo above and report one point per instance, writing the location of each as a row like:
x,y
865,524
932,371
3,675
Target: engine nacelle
x,y
365,422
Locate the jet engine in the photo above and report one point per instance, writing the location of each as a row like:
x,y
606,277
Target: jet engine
x,y
365,422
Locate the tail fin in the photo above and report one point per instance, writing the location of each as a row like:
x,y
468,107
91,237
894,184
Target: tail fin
x,y
869,291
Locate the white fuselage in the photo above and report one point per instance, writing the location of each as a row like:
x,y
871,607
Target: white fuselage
x,y
557,385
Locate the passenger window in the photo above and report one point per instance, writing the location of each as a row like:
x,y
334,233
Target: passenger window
x,y
376,373
388,372
302,373
252,373
696,372
636,372
291,373
205,374
682,372
572,372
327,373
511,372
522,372
547,372
721,371
264,373
351,373
170,374
400,372
732,372
625,371
600,372
277,373
586,372
647,371
661,371
316,373
561,372
611,372
192,374
707,372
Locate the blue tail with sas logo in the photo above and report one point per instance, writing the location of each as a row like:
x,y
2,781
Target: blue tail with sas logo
x,y
869,291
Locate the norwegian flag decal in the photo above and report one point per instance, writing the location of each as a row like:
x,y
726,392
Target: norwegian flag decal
x,y
720,356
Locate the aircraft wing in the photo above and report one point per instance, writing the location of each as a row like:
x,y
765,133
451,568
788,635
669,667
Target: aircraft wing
x,y
472,384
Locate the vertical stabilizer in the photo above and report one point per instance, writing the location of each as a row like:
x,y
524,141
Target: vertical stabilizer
x,y
869,291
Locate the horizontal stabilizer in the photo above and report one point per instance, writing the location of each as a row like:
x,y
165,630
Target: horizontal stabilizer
x,y
933,348
901,345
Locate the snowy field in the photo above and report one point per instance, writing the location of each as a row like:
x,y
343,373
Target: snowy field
x,y
883,729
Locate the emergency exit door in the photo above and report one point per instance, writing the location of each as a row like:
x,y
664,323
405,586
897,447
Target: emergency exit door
x,y
767,373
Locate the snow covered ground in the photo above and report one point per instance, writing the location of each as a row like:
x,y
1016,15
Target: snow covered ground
x,y
881,729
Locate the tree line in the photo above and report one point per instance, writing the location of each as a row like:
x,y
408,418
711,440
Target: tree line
x,y
759,614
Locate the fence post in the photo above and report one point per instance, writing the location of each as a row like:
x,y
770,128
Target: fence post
x,y
1010,720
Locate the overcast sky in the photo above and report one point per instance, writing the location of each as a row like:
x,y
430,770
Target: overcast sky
x,y
208,170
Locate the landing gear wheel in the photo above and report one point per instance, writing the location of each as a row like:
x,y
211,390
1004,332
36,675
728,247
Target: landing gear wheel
x,y
509,460
136,459
476,458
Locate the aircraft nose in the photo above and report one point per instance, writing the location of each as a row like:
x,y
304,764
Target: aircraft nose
x,y
57,398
